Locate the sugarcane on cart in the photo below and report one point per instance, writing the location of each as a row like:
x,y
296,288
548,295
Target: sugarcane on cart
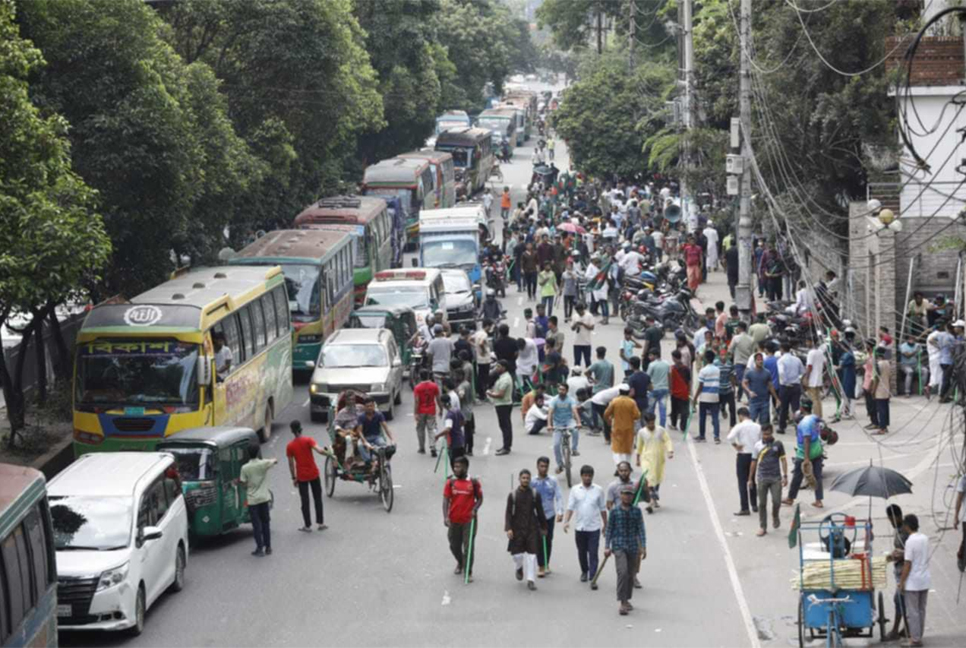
x,y
837,581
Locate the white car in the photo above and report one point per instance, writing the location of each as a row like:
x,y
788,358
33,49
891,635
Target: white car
x,y
120,527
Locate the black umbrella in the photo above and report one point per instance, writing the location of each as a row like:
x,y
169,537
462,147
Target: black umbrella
x,y
872,481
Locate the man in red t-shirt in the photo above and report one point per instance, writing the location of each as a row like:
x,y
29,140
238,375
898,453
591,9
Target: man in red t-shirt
x,y
427,395
305,474
693,260
462,498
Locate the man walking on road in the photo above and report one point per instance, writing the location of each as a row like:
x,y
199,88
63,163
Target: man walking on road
x,y
582,326
305,475
462,498
254,476
790,373
551,498
426,397
808,457
626,539
706,398
506,203
524,523
915,581
502,396
587,502
758,385
814,370
654,447
744,437
622,415
768,462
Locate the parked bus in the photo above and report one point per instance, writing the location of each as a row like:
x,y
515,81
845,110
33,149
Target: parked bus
x,y
28,565
318,267
444,175
149,368
502,122
452,119
526,100
409,180
379,232
472,150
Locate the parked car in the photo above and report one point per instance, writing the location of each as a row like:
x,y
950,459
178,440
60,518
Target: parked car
x,y
367,360
459,297
120,528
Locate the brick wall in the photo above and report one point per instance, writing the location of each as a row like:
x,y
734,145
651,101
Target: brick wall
x,y
935,269
939,59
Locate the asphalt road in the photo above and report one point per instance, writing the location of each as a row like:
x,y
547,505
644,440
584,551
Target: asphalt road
x,y
378,579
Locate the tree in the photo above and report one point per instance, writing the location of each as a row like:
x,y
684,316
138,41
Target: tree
x,y
52,243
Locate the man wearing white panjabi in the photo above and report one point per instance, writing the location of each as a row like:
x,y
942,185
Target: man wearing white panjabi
x,y
711,234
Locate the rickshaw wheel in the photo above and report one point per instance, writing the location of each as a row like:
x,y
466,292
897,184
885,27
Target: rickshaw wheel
x,y
882,619
330,476
801,622
385,488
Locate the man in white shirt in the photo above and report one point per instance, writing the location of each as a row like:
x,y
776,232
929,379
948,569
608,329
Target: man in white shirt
x,y
915,580
814,370
743,438
223,355
658,237
582,326
536,418
631,262
935,368
588,504
803,300
577,381
527,358
711,234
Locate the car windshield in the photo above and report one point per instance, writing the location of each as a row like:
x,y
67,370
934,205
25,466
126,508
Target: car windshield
x,y
368,321
95,523
304,294
456,283
137,372
354,355
415,298
453,253
194,464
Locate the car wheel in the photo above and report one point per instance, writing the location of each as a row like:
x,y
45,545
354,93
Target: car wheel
x,y
179,567
139,610
391,412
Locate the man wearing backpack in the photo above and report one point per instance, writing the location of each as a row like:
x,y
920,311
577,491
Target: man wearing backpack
x,y
462,498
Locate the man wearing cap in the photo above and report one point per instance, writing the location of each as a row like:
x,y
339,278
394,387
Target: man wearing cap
x,y
622,414
625,538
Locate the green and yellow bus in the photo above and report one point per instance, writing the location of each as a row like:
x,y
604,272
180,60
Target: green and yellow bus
x,y
146,369
411,181
376,232
28,565
318,266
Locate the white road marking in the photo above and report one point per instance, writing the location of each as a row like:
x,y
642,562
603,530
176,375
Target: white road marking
x,y
516,322
446,597
519,301
486,446
726,550
307,401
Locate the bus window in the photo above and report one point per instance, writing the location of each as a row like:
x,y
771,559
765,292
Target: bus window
x,y
281,311
16,576
259,318
229,326
37,538
248,337
271,326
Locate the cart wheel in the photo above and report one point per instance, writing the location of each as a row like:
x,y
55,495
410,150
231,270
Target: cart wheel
x,y
330,476
385,488
566,461
801,622
882,619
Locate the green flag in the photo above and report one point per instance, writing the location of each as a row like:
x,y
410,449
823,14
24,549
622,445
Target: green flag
x,y
793,532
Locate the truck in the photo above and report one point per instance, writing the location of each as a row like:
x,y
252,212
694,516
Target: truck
x,y
453,238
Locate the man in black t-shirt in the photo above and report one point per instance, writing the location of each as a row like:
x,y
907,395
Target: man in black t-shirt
x,y
768,461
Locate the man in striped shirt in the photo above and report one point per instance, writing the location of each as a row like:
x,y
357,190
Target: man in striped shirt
x,y
706,397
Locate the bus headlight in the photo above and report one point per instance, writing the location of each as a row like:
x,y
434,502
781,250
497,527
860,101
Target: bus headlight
x,y
112,577
309,339
88,437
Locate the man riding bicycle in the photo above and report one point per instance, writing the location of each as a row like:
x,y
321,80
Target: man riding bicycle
x,y
563,414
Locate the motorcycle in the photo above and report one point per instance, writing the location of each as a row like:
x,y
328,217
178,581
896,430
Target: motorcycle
x,y
672,312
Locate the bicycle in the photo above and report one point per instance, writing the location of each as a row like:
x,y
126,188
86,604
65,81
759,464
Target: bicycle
x,y
566,451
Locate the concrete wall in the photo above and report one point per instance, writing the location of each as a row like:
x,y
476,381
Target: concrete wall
x,y
935,269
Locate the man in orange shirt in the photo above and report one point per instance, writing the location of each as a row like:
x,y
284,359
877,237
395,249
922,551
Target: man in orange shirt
x,y
505,203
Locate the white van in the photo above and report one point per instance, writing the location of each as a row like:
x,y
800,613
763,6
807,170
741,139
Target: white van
x,y
418,288
120,529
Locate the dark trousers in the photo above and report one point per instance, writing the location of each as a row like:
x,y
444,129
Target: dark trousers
x,y
547,304
772,487
543,559
503,413
882,412
790,396
739,376
587,544
581,351
482,380
727,402
261,525
469,431
774,288
538,427
679,412
947,382
704,409
459,543
316,485
569,302
600,420
870,408
798,476
530,278
743,465
626,563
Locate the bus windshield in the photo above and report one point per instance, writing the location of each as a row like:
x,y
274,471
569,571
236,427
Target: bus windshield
x,y
137,372
499,124
304,294
91,523
461,157
450,253
407,197
415,298
444,125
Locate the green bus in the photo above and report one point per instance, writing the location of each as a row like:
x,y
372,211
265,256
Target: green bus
x,y
409,181
319,271
378,232
147,369
28,564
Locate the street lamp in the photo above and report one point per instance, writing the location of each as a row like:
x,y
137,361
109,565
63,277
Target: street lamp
x,y
884,218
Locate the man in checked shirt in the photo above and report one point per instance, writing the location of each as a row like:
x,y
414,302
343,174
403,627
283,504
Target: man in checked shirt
x,y
624,538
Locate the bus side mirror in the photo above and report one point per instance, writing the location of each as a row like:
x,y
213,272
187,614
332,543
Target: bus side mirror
x,y
204,370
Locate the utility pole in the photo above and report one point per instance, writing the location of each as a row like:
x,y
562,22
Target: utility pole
x,y
600,29
686,63
632,28
743,289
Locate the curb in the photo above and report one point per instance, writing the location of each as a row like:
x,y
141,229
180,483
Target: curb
x,y
55,459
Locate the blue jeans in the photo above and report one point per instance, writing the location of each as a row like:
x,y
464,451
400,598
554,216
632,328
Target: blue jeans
x,y
760,412
703,410
739,376
657,397
548,304
366,454
588,543
558,441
